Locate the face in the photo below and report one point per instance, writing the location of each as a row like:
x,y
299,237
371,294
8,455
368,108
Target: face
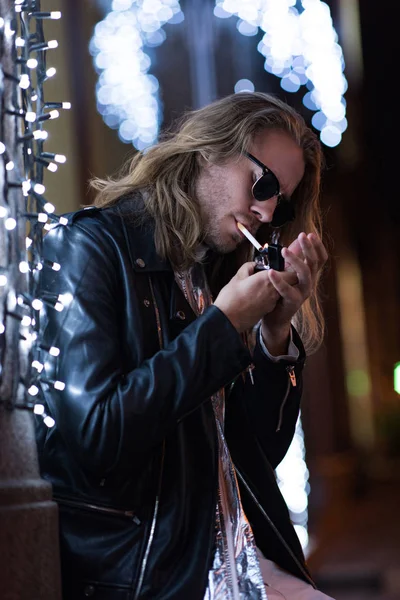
x,y
224,190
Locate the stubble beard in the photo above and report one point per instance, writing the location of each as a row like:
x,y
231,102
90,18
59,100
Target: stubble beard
x,y
213,239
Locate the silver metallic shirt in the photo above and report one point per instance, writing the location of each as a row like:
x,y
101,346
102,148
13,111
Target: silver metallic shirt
x,y
235,573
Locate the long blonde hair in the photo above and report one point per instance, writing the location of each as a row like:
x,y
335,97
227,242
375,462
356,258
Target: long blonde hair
x,y
166,175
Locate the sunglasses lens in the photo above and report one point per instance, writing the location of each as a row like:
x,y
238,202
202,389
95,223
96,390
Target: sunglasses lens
x,y
283,213
266,187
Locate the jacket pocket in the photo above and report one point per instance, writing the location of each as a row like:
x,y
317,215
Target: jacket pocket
x,y
105,510
100,550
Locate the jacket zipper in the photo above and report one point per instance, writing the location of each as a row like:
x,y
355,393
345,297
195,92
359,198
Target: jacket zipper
x,y
129,514
158,320
275,529
291,381
157,500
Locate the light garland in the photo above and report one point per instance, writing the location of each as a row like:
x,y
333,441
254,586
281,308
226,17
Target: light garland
x,y
127,95
24,211
301,47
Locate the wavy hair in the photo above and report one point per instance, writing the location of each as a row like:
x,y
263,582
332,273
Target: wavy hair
x,y
166,175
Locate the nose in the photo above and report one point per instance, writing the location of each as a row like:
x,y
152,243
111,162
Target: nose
x,y
264,210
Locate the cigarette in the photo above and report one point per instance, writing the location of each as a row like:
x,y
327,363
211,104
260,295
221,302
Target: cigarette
x,y
249,236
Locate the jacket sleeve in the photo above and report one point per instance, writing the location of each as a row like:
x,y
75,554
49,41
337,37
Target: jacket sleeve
x,y
270,406
104,414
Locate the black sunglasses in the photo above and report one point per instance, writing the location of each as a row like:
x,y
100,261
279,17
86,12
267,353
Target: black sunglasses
x,y
266,187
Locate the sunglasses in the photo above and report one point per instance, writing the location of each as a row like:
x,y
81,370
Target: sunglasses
x,y
266,187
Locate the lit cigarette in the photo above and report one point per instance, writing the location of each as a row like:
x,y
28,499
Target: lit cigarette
x,y
251,238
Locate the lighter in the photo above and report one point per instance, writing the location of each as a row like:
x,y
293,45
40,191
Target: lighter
x,y
269,256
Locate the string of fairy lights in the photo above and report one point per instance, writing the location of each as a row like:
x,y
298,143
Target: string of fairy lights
x,y
25,213
299,43
300,46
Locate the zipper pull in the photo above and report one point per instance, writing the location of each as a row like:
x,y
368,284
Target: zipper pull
x,y
292,375
250,371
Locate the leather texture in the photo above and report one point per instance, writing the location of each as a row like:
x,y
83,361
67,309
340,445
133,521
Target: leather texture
x,y
133,455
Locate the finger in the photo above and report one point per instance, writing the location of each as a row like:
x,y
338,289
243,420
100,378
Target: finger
x,y
296,248
319,247
290,277
309,252
245,270
288,292
300,267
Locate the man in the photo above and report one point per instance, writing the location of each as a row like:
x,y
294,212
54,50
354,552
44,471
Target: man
x,y
181,364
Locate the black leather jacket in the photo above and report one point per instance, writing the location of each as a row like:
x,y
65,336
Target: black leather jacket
x,y
133,454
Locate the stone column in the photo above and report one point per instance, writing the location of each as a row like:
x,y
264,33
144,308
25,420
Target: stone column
x,y
29,564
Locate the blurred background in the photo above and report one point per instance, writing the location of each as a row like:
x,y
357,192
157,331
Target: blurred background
x,y
129,68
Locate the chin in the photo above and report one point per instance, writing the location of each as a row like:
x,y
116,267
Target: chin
x,y
223,246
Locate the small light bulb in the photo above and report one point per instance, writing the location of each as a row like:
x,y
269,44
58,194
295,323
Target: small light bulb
x,y
55,14
66,105
52,44
26,186
51,72
42,218
37,304
30,117
60,158
39,188
23,267
49,207
2,148
33,390
49,421
56,266
66,299
3,212
54,351
26,321
10,224
54,114
59,385
3,280
10,166
28,242
31,63
40,134
38,409
52,167
38,366
24,81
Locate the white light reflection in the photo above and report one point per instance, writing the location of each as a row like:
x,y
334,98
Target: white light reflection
x,y
127,95
301,47
292,476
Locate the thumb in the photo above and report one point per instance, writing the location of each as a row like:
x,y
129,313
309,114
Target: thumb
x,y
245,270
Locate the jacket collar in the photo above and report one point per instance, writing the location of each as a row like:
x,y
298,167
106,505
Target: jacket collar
x,y
140,240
